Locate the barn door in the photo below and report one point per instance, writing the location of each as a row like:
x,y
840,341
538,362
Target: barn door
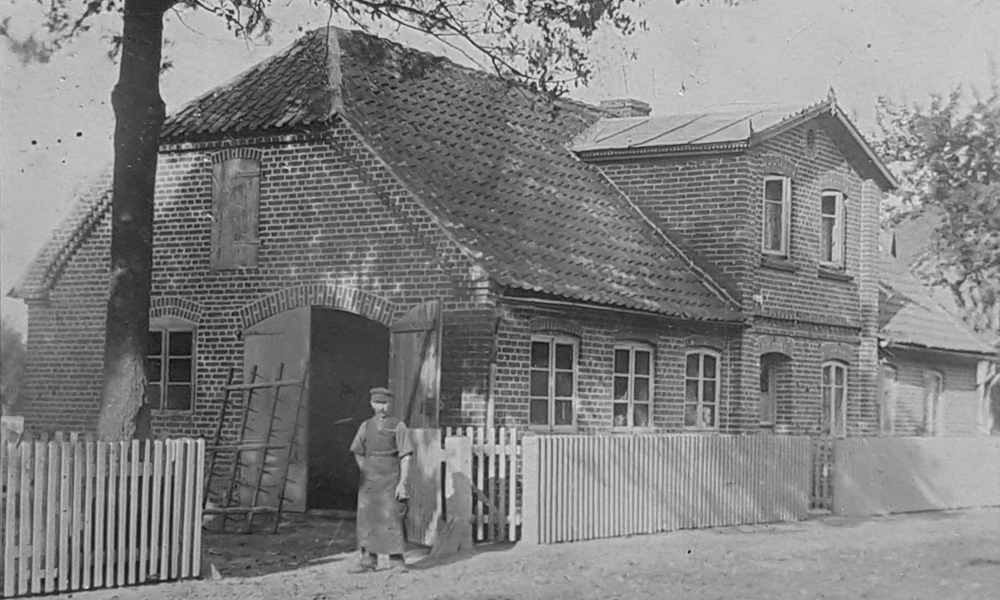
x,y
415,365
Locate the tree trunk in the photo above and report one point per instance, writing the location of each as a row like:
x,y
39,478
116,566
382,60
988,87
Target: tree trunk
x,y
139,115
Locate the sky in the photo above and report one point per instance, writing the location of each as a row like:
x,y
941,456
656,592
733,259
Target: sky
x,y
56,121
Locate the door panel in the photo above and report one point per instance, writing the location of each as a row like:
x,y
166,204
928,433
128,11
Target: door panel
x,y
415,366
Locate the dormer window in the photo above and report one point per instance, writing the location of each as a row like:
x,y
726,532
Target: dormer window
x,y
831,243
777,215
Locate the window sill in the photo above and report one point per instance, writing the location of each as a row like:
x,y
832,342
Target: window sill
x,y
778,263
542,429
834,274
693,429
628,430
173,414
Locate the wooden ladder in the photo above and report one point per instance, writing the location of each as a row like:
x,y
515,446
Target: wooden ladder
x,y
274,448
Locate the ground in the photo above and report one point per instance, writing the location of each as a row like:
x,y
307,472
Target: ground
x,y
930,555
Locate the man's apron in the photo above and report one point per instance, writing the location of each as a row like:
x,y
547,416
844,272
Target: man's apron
x,y
380,515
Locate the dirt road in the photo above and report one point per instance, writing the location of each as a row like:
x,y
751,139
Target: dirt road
x,y
933,555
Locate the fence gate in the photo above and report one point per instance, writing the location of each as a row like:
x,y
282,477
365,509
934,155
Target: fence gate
x,y
440,472
821,496
80,516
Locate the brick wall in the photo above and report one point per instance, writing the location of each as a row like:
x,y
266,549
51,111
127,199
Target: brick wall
x,y
960,402
714,203
332,217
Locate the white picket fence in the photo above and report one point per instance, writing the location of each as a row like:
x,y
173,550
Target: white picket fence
x,y
496,460
80,516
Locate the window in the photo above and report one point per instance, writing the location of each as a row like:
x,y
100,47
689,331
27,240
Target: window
x,y
170,369
831,243
777,215
769,388
933,388
553,382
235,199
834,386
633,387
701,389
887,398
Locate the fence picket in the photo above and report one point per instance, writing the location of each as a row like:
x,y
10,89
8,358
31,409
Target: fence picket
x,y
178,507
89,518
10,518
76,526
144,514
155,508
66,471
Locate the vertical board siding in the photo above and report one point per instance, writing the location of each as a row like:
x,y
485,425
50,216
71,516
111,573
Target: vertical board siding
x,y
81,515
598,487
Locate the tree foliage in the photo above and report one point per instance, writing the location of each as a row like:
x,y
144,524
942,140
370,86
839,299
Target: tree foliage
x,y
12,362
947,156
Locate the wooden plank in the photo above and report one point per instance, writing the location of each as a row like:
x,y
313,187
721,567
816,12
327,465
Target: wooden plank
x,y
111,517
144,512
24,539
490,451
500,456
156,497
76,545
235,387
199,492
133,511
88,515
122,554
66,471
168,461
100,513
10,548
190,463
38,524
178,507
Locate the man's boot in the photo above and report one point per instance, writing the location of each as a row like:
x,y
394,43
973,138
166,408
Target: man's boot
x,y
368,561
396,561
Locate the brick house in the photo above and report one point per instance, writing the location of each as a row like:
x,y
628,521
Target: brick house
x,y
935,372
565,267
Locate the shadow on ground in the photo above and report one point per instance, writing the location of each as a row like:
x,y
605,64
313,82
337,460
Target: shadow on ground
x,y
307,540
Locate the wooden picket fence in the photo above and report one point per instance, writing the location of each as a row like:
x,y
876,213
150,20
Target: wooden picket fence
x,y
589,487
85,515
496,457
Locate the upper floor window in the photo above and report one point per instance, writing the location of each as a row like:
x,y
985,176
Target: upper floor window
x,y
633,387
701,389
553,382
235,204
888,377
831,243
170,372
777,215
834,389
933,390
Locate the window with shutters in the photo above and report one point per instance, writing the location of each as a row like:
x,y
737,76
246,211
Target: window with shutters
x,y
701,389
633,387
553,383
236,201
170,367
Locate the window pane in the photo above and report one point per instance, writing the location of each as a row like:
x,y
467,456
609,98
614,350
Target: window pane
x,y
153,395
641,393
180,343
839,375
708,416
829,205
620,414
826,239
772,226
540,354
540,383
539,412
709,396
691,391
155,343
178,397
826,375
642,362
692,365
564,356
180,370
709,369
773,190
765,378
154,368
564,412
564,385
641,415
621,361
690,415
621,388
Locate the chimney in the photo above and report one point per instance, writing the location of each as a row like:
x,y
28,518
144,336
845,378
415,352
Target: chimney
x,y
625,107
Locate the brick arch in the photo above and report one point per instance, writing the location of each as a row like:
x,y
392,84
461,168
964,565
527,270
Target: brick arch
x,y
776,344
175,306
776,164
237,152
352,300
833,180
837,351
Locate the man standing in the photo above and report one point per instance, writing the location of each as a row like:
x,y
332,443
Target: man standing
x,y
382,450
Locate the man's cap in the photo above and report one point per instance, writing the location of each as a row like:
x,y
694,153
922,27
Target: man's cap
x,y
381,394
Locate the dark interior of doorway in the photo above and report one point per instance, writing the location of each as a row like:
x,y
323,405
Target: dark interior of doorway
x,y
349,356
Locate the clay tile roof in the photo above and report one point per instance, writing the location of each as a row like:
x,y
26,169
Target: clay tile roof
x,y
489,159
909,315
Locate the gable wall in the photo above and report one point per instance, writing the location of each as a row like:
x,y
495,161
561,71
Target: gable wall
x,y
331,216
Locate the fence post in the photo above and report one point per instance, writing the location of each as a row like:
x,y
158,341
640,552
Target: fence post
x,y
529,490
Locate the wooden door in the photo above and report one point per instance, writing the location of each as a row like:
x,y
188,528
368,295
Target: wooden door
x,y
415,365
